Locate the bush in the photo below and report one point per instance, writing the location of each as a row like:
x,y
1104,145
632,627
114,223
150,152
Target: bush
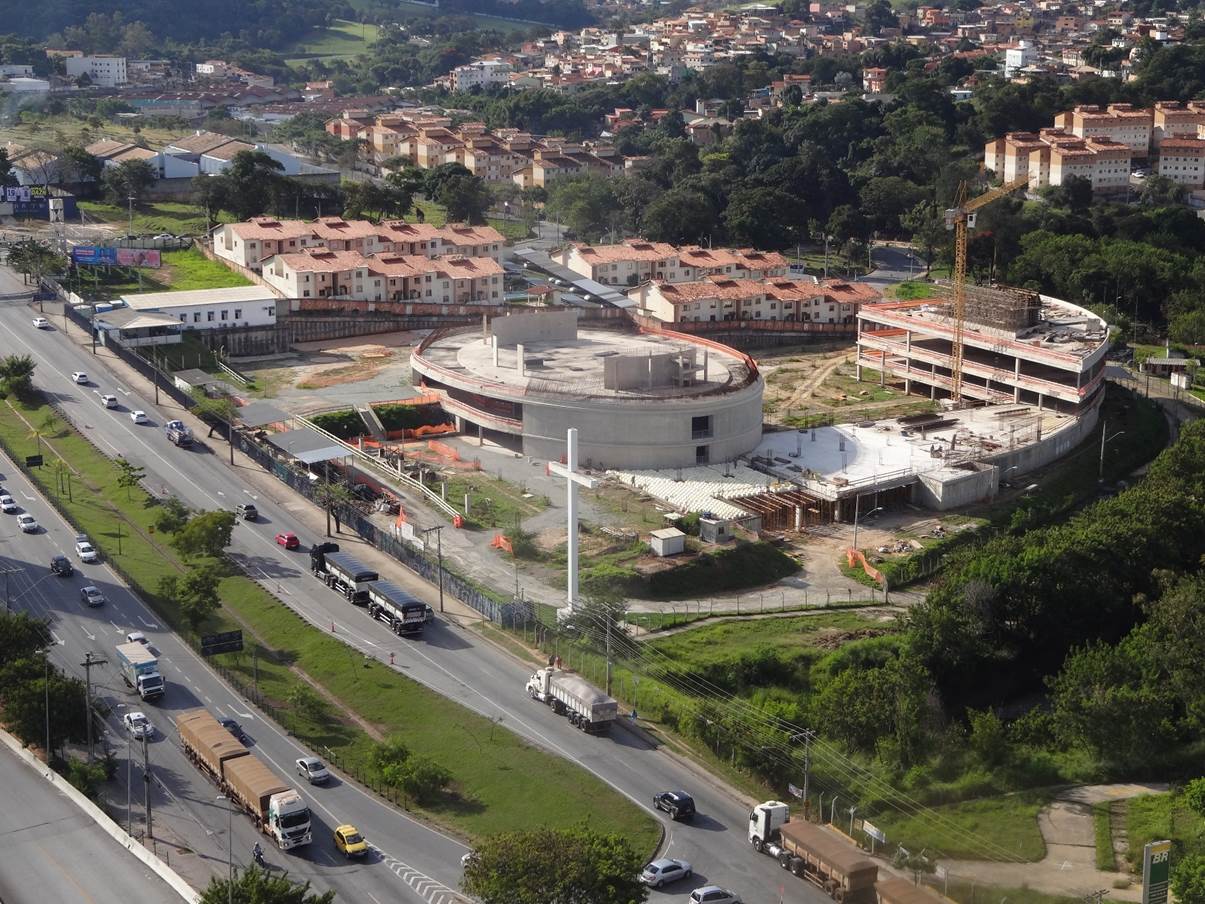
x,y
398,416
737,568
343,424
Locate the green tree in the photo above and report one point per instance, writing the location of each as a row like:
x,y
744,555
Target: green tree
x,y
767,218
258,886
584,204
303,700
422,779
679,216
1188,327
1188,879
925,222
16,375
206,534
86,777
77,165
129,179
1194,796
172,516
21,636
555,866
989,739
196,593
129,475
249,184
35,260
388,758
23,702
1161,191
466,198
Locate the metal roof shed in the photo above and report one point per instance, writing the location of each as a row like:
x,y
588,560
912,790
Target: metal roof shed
x,y
307,446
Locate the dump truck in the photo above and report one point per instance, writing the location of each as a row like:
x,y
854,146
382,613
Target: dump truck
x,y
278,810
178,433
570,694
402,612
342,572
140,669
812,852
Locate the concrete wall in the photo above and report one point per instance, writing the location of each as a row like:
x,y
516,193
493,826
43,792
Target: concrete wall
x,y
1050,447
645,435
545,326
638,372
951,488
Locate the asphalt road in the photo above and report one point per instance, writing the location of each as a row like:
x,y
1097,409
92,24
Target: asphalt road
x,y
51,849
449,659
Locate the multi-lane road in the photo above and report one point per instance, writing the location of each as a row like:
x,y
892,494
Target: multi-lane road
x,y
52,850
415,863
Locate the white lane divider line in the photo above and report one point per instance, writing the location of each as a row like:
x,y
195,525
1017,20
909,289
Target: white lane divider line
x,y
430,890
151,625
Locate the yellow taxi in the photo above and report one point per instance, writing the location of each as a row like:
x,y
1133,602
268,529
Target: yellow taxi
x,y
350,842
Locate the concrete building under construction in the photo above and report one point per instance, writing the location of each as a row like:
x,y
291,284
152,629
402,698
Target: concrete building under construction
x,y
1018,347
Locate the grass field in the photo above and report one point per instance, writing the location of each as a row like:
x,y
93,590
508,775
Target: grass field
x,y
1153,817
54,131
183,270
492,768
342,40
493,502
1011,821
405,10
1103,832
972,893
153,218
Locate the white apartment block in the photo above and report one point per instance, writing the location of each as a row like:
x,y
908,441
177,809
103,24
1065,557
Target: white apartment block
x,y
210,309
1122,123
632,262
479,74
385,277
104,71
1183,161
720,298
1176,120
252,243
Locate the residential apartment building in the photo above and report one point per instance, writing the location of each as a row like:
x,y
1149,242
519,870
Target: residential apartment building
x,y
210,309
722,298
1176,120
634,261
479,74
103,71
1183,161
1122,123
384,277
251,243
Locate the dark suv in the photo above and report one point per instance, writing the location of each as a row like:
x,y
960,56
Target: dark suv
x,y
61,566
678,804
246,511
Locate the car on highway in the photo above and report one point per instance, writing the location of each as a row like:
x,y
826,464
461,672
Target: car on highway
x,y
80,377
313,770
234,728
139,417
246,511
138,725
85,550
165,237
713,894
61,566
108,400
27,523
288,540
8,505
92,596
41,323
136,637
678,804
665,870
349,841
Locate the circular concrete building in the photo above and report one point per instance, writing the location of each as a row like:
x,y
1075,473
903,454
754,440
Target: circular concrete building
x,y
638,400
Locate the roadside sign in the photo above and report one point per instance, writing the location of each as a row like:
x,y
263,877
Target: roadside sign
x,y
1155,871
795,791
874,832
226,642
33,461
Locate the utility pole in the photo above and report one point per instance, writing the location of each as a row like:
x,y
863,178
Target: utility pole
x,y
439,552
807,736
8,570
46,688
229,847
129,781
146,783
88,662
1104,438
610,619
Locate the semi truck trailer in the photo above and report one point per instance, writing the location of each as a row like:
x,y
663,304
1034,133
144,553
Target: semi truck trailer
x,y
342,572
571,695
140,669
278,810
815,853
403,613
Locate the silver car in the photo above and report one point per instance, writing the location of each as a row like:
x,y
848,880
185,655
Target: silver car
x,y
313,770
665,870
713,894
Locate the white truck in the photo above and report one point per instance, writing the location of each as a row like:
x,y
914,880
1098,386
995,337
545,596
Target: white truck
x,y
178,433
570,694
140,669
403,613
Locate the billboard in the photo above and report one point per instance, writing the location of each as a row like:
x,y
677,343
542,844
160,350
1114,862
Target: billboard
x,y
97,256
34,201
1155,872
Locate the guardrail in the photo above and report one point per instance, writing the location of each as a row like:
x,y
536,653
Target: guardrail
x,y
376,465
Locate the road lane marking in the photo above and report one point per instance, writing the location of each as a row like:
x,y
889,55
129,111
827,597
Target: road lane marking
x,y
147,623
58,639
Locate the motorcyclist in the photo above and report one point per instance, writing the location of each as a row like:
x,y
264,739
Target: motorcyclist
x,y
258,853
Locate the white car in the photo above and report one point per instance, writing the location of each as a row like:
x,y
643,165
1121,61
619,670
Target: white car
x,y
27,523
92,596
136,637
138,725
713,894
165,237
109,401
41,323
8,505
139,417
80,377
663,870
313,769
85,550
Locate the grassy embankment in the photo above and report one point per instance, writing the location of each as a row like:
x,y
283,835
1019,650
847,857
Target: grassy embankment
x,y
183,270
492,768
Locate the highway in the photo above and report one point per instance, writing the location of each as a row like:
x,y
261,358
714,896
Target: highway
x,y
449,659
51,849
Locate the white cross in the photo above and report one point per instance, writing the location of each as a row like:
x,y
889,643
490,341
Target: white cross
x,y
572,481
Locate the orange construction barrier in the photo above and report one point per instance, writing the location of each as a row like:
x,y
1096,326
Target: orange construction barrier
x,y
500,542
443,449
856,555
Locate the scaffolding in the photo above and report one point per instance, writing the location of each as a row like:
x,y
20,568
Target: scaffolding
x,y
999,307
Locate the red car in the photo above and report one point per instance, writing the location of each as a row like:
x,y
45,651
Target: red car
x,y
288,540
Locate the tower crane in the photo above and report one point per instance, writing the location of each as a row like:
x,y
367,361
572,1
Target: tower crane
x,y
960,219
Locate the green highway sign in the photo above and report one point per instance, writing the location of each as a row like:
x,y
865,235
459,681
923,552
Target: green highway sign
x,y
1156,870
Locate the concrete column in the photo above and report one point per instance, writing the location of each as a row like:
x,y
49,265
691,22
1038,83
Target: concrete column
x,y
520,363
494,349
705,351
485,328
798,518
650,370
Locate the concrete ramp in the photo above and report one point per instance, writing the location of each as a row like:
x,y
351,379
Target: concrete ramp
x,y
369,416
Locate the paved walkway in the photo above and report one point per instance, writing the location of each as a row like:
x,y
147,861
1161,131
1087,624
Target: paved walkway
x,y
1069,867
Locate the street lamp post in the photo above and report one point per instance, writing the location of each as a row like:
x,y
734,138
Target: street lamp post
x,y
1104,438
229,847
857,501
439,546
